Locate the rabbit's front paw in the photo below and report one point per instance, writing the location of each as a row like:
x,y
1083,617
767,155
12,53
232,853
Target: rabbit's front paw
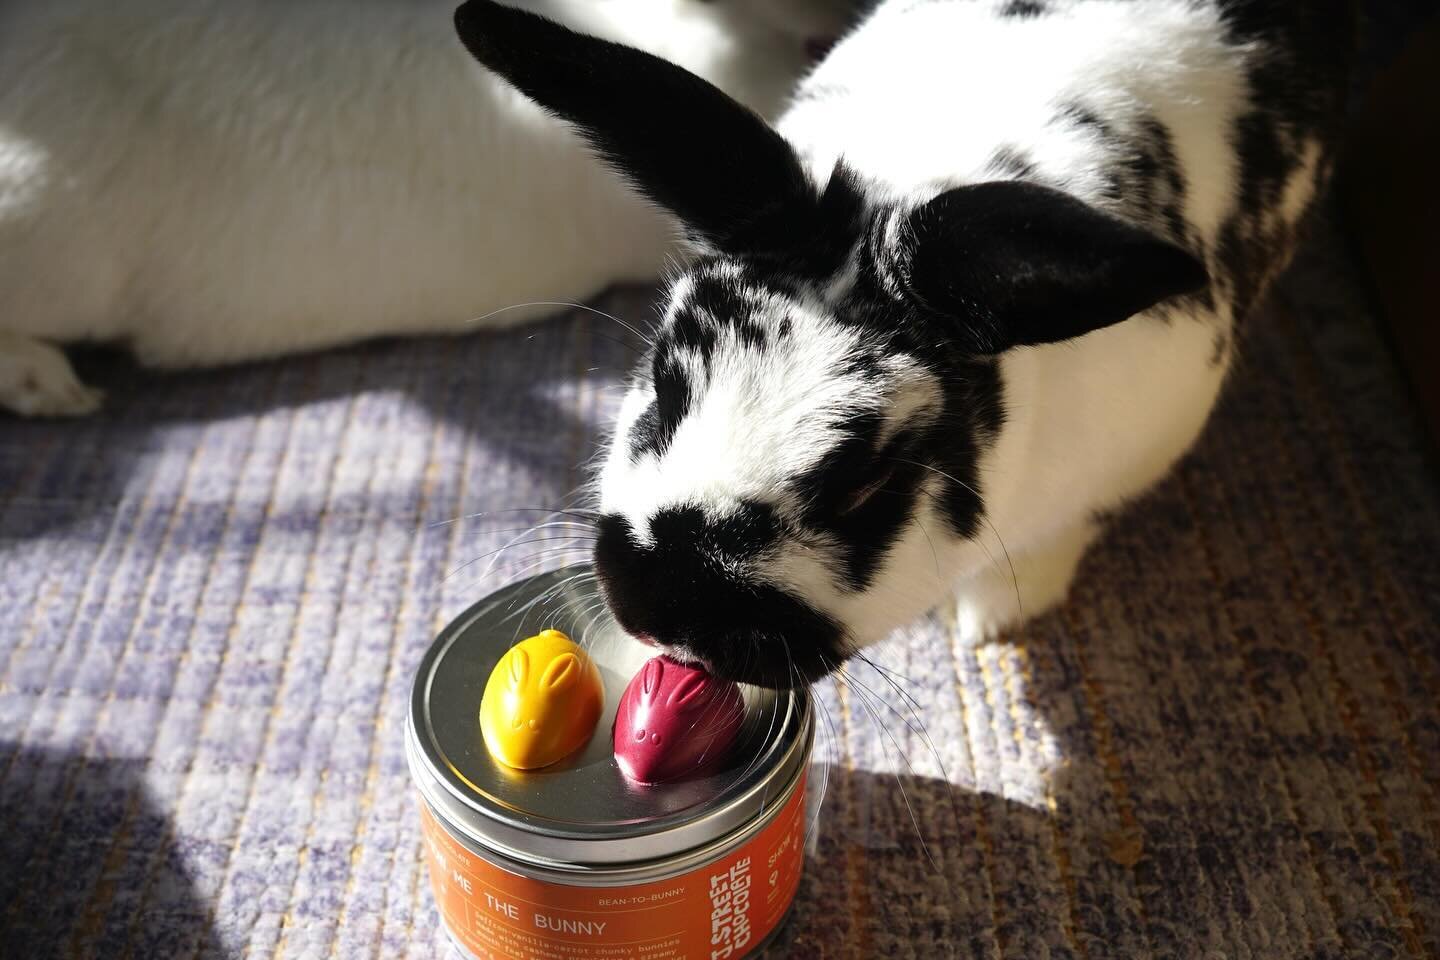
x,y
36,380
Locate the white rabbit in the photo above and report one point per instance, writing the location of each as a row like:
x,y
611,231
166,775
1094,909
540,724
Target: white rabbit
x,y
210,181
981,287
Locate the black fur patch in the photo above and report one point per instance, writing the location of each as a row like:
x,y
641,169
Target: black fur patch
x,y
715,306
864,532
839,221
1024,8
656,425
975,399
645,433
1080,115
1298,94
1168,195
680,590
1144,176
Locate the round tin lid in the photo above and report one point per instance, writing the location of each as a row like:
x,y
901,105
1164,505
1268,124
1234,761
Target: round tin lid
x,y
582,811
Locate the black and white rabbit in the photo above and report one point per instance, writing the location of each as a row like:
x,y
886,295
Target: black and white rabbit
x,y
980,286
209,181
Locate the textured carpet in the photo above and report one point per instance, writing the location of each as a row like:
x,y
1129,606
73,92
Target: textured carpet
x,y
212,598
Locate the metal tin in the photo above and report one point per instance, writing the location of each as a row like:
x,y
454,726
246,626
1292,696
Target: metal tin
x,y
580,825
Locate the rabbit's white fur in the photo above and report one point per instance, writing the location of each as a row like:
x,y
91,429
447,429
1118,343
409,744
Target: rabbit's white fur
x,y
211,181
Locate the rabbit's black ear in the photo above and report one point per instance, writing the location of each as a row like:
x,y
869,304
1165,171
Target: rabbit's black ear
x,y
720,168
1022,264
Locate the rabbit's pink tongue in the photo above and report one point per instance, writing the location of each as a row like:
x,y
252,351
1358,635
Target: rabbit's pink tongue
x,y
675,720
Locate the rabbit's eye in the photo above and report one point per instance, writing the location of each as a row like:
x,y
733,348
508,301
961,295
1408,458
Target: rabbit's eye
x,y
876,475
872,483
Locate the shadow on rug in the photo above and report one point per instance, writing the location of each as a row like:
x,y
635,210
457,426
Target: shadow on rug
x,y
111,845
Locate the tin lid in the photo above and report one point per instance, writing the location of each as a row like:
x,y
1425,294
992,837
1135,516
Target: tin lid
x,y
581,812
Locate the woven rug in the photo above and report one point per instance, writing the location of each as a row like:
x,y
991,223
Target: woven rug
x,y
213,595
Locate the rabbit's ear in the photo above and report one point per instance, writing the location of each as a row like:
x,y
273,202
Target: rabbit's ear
x,y
732,180
1021,264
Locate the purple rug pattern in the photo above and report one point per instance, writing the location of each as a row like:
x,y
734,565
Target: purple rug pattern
x,y
212,597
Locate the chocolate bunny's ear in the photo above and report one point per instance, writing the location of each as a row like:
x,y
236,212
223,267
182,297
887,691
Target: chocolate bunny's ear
x,y
519,668
563,671
651,677
690,691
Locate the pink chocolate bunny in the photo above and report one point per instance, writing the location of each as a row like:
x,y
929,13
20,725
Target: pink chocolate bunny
x,y
675,720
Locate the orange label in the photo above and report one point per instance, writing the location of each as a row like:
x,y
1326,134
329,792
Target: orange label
x,y
718,912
